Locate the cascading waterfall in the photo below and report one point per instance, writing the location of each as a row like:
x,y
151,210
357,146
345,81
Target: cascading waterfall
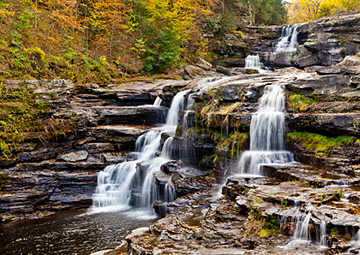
x,y
158,101
302,233
288,40
356,240
266,133
132,182
253,62
323,236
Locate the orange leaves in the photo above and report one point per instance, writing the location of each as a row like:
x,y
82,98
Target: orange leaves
x,y
107,14
63,12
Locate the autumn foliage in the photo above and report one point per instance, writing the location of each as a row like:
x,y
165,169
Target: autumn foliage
x,y
100,40
300,11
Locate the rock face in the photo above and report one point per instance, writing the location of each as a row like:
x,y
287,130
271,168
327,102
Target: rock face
x,y
322,41
59,175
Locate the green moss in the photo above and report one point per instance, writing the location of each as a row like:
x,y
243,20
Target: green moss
x,y
270,227
299,103
320,143
4,178
23,117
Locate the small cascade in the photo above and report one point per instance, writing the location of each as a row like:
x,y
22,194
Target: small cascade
x,y
169,193
158,101
167,148
302,233
174,112
288,40
267,130
323,236
253,62
356,240
132,183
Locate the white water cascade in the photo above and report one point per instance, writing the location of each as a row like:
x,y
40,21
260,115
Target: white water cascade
x,y
323,236
132,183
253,62
302,234
267,145
356,240
289,38
158,101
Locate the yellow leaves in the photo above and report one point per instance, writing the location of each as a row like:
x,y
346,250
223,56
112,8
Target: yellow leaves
x,y
306,10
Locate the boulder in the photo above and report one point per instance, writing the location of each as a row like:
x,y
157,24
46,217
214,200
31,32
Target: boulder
x,y
112,158
204,64
192,71
74,156
223,70
320,85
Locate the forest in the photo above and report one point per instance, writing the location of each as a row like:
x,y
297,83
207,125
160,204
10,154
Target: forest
x,y
96,41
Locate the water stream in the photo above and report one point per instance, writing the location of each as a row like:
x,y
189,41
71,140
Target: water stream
x,y
267,132
289,38
132,183
253,62
69,232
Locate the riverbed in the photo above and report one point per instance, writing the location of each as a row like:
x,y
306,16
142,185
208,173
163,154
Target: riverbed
x,y
71,232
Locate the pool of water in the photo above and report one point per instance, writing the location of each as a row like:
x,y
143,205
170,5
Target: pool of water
x,y
73,232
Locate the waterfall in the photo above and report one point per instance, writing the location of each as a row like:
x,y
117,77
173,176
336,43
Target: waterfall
x,y
132,183
253,62
174,112
267,126
167,148
323,236
302,229
288,40
356,240
158,101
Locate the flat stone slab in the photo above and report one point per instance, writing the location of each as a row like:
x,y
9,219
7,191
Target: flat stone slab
x,y
74,156
122,130
308,174
134,115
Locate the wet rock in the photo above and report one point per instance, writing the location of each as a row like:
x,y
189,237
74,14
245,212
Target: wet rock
x,y
187,181
148,115
39,155
279,59
170,167
84,117
94,86
124,97
98,147
112,158
231,92
160,209
223,70
242,203
121,130
74,156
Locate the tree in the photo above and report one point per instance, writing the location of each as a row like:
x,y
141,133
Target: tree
x,y
269,12
306,10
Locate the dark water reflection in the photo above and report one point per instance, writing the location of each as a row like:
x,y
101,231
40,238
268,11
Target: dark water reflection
x,y
68,233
